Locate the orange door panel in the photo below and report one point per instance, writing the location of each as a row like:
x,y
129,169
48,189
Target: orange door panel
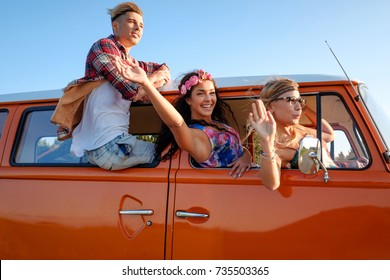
x,y
218,217
83,213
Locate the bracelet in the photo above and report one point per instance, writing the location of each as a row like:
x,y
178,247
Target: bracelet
x,y
269,156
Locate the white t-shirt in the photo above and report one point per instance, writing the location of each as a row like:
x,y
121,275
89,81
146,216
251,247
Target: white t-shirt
x,y
106,115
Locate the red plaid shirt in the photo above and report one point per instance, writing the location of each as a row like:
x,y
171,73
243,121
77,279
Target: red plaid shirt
x,y
98,66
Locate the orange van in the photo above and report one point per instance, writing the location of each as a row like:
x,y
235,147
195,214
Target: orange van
x,y
54,206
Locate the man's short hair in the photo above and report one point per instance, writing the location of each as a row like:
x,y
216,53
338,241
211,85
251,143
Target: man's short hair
x,y
124,8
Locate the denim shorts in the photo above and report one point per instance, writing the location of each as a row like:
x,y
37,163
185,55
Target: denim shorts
x,y
122,152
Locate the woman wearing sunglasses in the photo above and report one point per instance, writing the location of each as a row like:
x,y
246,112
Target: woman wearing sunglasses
x,y
275,118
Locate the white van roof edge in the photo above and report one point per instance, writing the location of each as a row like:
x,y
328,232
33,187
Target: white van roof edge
x,y
222,82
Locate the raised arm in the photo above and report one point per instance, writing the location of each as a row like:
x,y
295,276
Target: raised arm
x,y
192,140
158,78
264,125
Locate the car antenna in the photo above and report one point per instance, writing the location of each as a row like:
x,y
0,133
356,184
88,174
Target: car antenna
x,y
357,97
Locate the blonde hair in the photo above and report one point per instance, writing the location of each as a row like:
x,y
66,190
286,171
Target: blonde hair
x,y
123,8
275,88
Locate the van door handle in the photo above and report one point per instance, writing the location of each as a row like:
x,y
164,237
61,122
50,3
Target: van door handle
x,y
144,212
185,214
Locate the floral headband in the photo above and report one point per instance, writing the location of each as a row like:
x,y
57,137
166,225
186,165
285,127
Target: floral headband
x,y
194,80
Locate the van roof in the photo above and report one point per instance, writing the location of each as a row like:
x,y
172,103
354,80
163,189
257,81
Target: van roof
x,y
224,82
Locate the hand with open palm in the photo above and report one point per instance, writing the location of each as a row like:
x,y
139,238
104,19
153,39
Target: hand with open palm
x,y
262,122
130,71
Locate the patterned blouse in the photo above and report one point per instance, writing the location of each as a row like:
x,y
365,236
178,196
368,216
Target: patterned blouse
x,y
225,145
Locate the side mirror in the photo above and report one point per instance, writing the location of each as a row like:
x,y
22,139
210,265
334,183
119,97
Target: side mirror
x,y
308,147
309,160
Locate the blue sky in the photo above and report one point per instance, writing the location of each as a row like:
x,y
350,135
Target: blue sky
x,y
44,43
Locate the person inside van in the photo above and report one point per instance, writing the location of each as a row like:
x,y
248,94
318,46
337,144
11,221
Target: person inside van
x,y
102,133
197,123
275,118
213,142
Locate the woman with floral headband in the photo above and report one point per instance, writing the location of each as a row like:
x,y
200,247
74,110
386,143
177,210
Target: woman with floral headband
x,y
197,123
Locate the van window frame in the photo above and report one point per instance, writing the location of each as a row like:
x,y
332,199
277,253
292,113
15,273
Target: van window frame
x,y
357,132
21,133
319,96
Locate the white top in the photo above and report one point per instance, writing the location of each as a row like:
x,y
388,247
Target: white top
x,y
106,115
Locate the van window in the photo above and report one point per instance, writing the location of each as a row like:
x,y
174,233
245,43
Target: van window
x,y
341,149
3,117
50,150
348,150
37,142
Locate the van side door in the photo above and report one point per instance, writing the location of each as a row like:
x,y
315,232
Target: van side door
x,y
52,206
218,217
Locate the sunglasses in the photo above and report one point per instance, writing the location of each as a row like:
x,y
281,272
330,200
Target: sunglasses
x,y
293,100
